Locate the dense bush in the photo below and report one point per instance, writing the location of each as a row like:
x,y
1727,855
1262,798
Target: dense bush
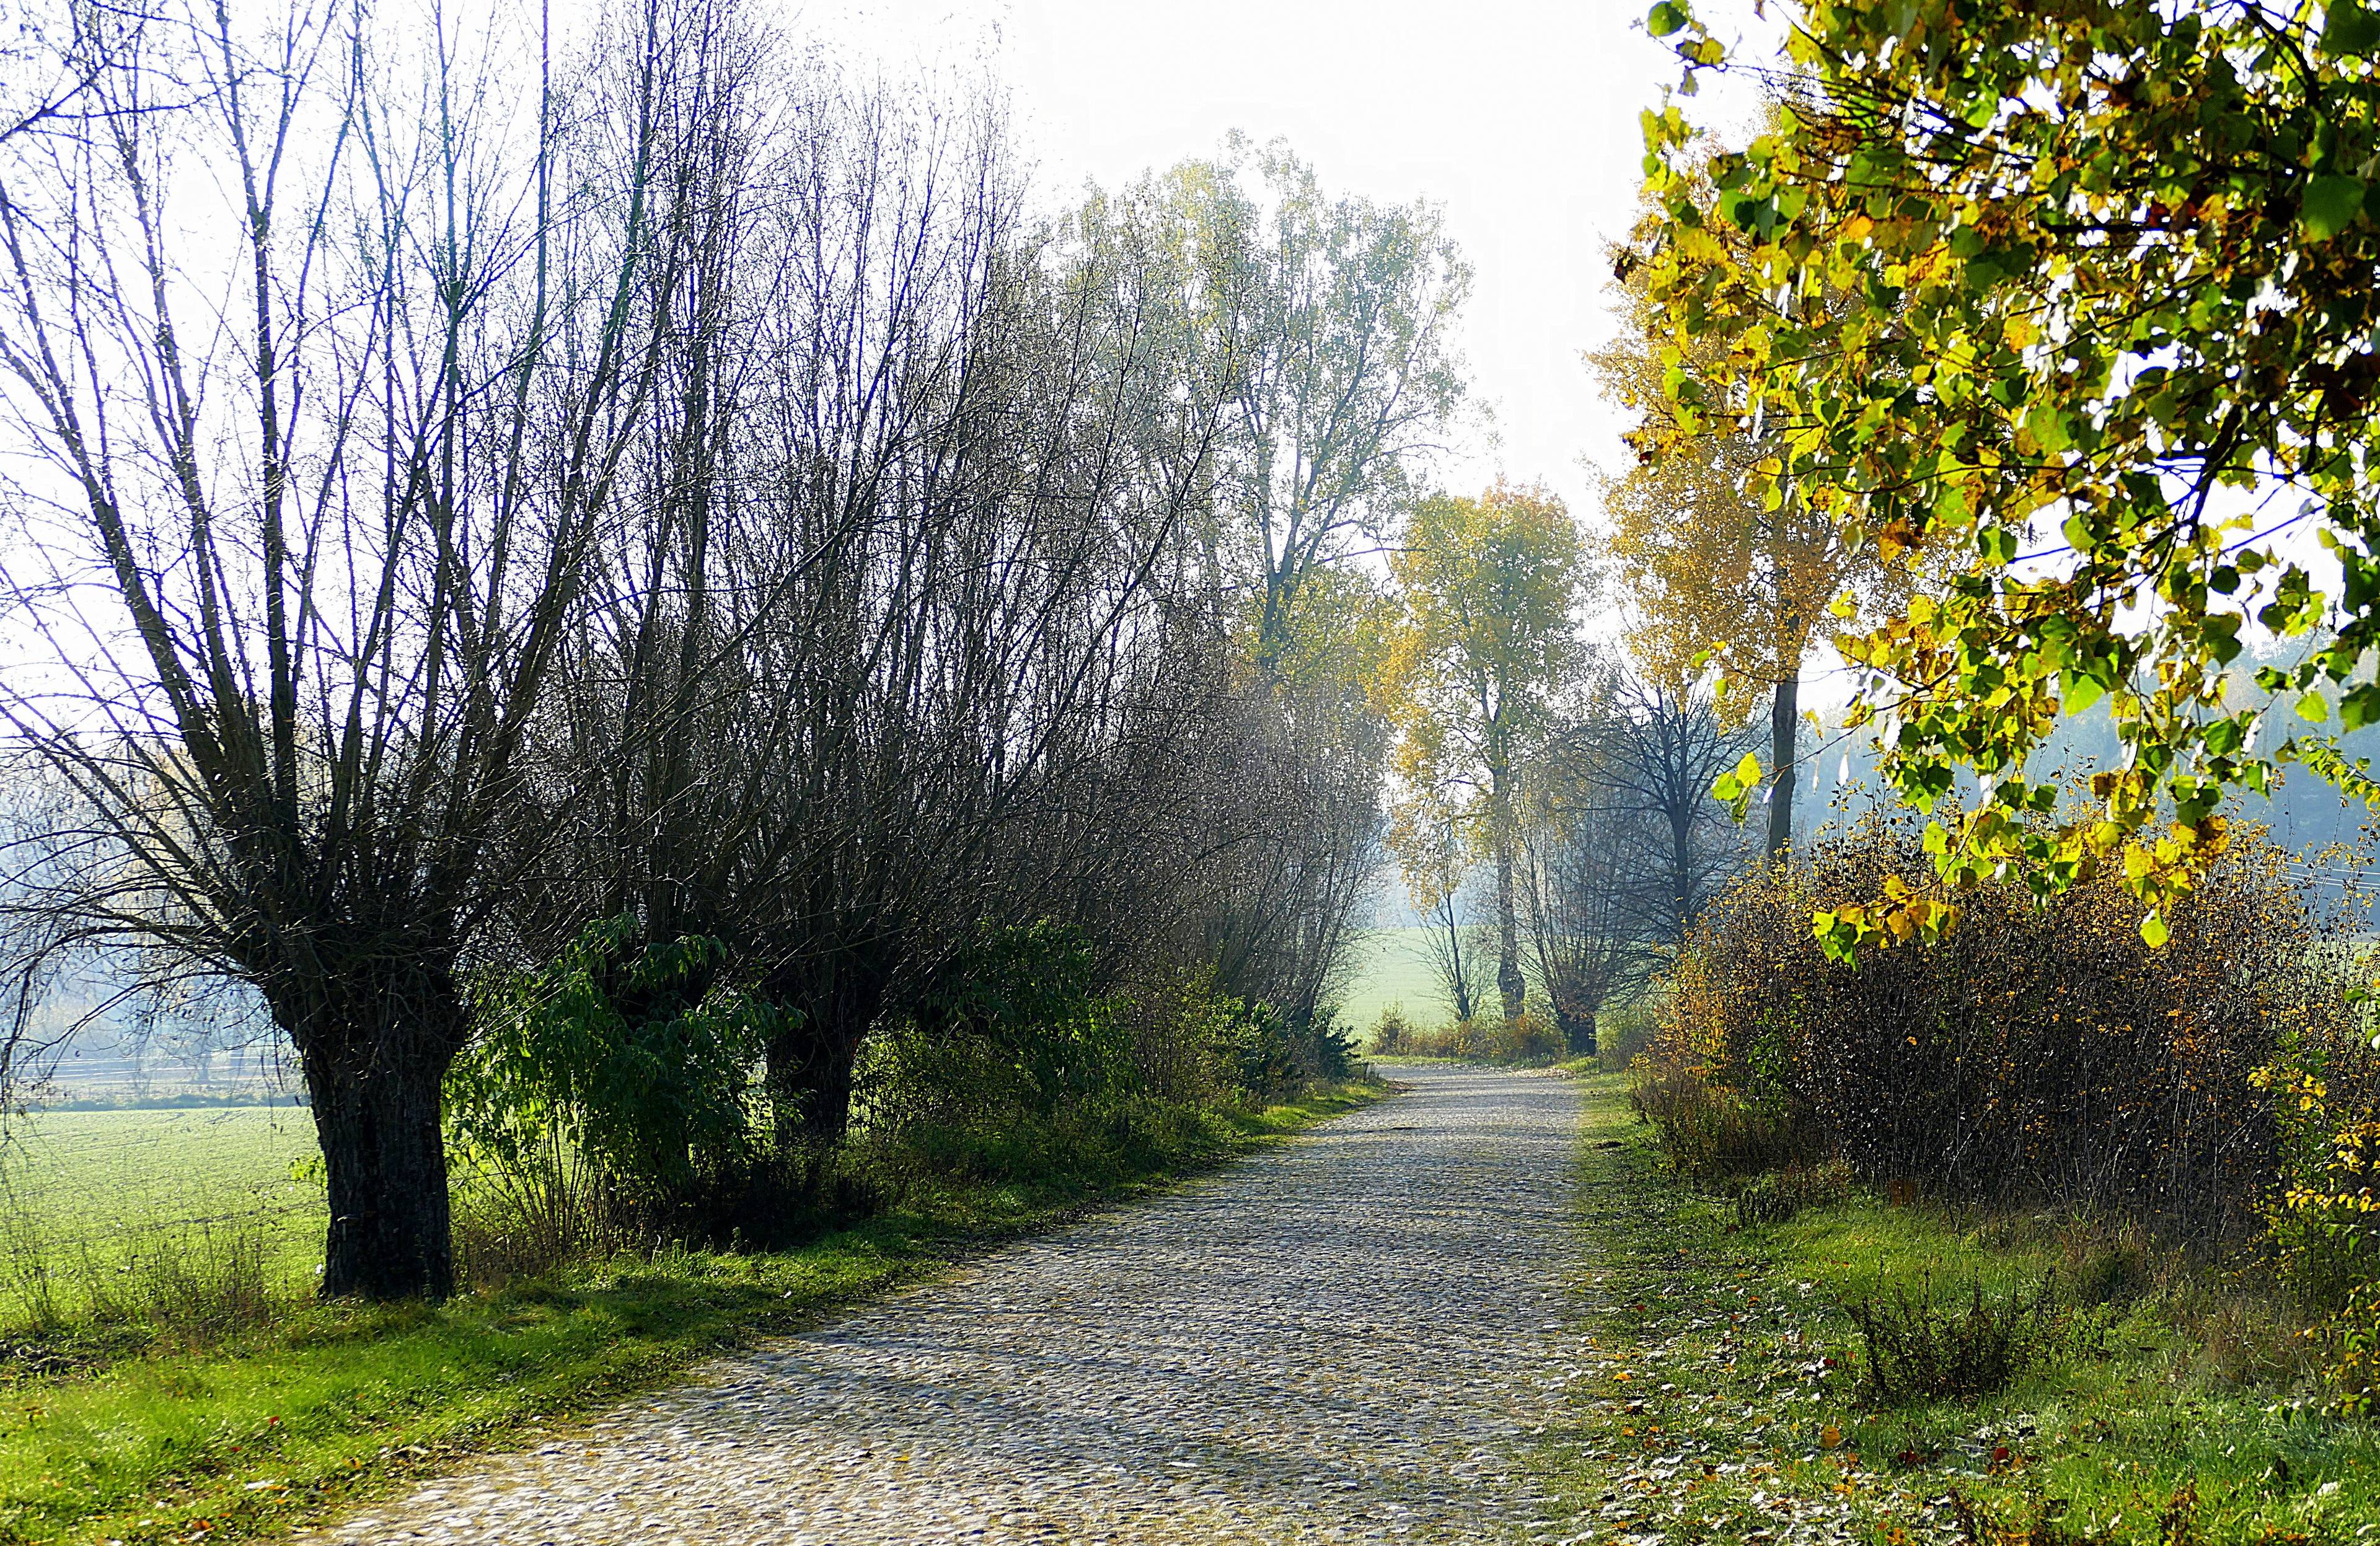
x,y
2325,1212
1715,1131
2043,1051
614,1080
1394,1033
617,1099
1037,1074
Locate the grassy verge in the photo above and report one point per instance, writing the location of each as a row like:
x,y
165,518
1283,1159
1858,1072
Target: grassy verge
x,y
1717,1398
332,1404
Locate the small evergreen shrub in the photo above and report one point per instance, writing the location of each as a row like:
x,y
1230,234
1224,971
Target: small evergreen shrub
x,y
1394,1035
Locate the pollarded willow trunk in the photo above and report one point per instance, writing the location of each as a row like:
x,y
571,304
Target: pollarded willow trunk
x,y
811,1062
376,1048
1574,1017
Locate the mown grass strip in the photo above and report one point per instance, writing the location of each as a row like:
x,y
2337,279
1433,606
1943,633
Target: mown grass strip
x,y
335,1404
1715,1397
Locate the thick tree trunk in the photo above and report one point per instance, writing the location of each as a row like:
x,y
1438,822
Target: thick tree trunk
x,y
1574,1017
810,1062
375,1064
1784,730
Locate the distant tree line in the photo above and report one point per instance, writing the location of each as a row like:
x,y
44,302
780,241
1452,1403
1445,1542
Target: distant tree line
x,y
1577,782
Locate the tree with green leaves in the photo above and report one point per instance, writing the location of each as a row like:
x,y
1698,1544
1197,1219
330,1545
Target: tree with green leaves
x,y
2073,303
1721,575
1322,323
1485,650
1331,320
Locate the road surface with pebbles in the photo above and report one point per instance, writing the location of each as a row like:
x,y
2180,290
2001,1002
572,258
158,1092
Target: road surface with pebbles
x,y
1348,1338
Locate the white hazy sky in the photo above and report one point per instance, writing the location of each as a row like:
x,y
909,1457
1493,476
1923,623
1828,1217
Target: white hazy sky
x,y
1520,117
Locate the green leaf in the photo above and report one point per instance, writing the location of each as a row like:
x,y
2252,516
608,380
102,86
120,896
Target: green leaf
x,y
2331,202
1665,19
2077,692
2349,31
2153,930
2359,706
2311,709
2049,426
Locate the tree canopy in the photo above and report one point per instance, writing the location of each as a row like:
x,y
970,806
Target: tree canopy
x,y
2072,302
1715,572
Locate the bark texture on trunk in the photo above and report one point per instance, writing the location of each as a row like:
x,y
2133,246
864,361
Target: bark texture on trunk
x,y
1512,989
1574,1017
375,1064
1784,730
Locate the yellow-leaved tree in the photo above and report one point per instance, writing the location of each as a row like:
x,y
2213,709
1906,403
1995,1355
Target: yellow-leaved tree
x,y
1485,649
1719,566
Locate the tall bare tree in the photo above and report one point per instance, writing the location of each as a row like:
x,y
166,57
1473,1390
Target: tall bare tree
x,y
1578,887
322,365
1654,753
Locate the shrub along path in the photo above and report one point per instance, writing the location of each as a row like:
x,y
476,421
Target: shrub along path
x,y
1348,1339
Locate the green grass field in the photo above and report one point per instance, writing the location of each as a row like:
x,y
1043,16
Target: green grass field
x,y
79,1188
1391,966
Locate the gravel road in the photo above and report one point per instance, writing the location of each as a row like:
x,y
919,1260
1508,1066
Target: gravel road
x,y
1345,1339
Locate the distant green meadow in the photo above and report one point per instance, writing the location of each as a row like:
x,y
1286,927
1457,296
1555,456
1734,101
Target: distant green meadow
x,y
98,1184
1391,966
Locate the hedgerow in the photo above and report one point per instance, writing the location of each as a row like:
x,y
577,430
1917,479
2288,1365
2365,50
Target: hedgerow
x,y
2042,1052
2221,1091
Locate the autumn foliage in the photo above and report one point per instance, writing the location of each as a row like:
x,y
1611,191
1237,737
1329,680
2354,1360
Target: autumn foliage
x,y
2043,1053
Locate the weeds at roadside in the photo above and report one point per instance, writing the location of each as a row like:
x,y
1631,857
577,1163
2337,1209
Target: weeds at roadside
x,y
1915,1349
194,1284
2177,1523
1774,1197
1716,1384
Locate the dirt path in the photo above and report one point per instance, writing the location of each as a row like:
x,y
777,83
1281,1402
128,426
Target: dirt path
x,y
1341,1340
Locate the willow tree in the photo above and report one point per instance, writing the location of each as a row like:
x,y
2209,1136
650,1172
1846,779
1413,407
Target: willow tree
x,y
327,375
1487,647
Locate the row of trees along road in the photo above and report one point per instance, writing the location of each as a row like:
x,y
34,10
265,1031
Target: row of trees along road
x,y
469,486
